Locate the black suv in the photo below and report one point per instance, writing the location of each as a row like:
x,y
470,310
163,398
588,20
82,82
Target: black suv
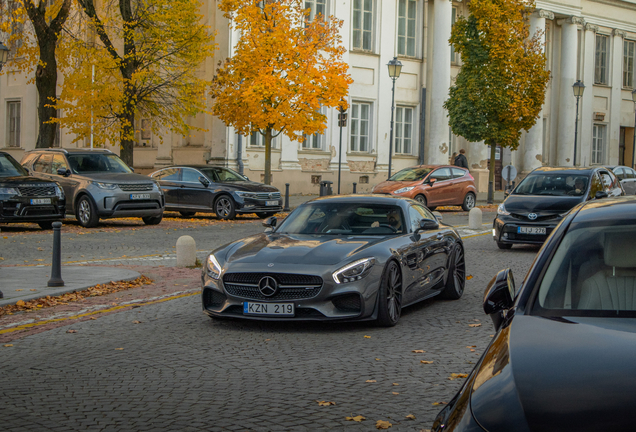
x,y
98,184
28,199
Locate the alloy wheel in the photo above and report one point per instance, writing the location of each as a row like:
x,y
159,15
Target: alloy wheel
x,y
394,293
459,270
223,207
84,211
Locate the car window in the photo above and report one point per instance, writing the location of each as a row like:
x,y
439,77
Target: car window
x,y
619,173
190,175
97,162
43,164
410,174
458,172
58,162
169,174
9,167
596,185
553,184
609,181
28,159
629,173
417,213
223,175
441,174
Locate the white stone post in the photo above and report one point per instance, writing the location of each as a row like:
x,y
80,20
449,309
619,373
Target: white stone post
x,y
438,145
475,218
186,252
587,101
612,146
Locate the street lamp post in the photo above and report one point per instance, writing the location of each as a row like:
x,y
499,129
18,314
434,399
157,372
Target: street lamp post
x,y
578,88
634,141
395,68
4,56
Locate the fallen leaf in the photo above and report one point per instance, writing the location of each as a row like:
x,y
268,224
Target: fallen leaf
x,y
377,359
381,424
426,362
357,418
39,260
20,303
32,289
267,340
325,403
371,381
410,417
396,384
439,403
71,331
472,350
419,351
491,335
119,349
19,290
367,337
8,345
469,277
454,376
93,318
471,346
474,325
395,393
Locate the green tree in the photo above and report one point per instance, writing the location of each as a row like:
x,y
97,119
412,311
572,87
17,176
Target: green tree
x,y
284,69
501,86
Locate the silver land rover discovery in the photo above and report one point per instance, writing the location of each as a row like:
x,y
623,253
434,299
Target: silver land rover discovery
x,y
98,184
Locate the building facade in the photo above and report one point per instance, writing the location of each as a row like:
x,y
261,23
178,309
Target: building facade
x,y
586,40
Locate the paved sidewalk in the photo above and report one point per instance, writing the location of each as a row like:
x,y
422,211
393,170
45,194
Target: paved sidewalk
x,y
28,283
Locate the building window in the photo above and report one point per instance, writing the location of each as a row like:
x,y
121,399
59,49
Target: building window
x,y
313,142
598,143
628,63
454,55
363,24
16,27
360,126
407,12
316,7
403,130
600,60
258,140
13,124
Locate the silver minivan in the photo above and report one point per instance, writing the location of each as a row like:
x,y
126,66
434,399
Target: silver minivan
x,y
98,184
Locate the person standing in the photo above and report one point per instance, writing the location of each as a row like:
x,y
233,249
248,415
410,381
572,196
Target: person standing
x,y
452,158
461,160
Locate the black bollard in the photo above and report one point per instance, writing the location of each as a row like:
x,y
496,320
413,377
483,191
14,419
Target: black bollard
x,y
56,263
354,187
286,208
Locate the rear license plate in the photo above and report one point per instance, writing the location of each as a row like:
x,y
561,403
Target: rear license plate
x,y
277,309
41,201
271,203
139,196
531,230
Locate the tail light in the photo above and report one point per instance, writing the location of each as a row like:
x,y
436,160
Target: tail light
x,y
470,175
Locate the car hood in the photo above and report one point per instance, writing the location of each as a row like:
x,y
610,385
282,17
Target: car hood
x,y
296,249
390,186
117,177
556,374
24,180
250,187
540,204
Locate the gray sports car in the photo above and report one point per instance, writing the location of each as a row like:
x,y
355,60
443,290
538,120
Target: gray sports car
x,y
351,257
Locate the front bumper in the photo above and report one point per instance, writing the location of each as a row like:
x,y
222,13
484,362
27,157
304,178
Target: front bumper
x,y
506,230
330,302
116,204
251,205
20,209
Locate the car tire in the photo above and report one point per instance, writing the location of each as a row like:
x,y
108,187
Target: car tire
x,y
46,225
224,207
503,245
469,201
187,213
86,212
265,215
152,220
456,281
421,199
390,296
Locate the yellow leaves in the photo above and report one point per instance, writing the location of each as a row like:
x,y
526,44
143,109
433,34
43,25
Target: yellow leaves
x,y
426,362
469,277
8,345
396,384
118,349
454,376
382,424
474,325
410,417
367,337
371,381
395,393
357,418
20,303
418,351
325,403
439,403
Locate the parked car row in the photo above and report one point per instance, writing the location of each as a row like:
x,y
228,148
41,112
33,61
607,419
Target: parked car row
x,y
94,184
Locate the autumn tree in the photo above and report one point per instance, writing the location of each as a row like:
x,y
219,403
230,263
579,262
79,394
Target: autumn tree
x,y
146,56
285,67
501,86
34,29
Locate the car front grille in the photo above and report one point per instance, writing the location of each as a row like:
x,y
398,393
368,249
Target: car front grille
x,y
538,219
29,191
290,286
265,195
348,303
135,187
212,298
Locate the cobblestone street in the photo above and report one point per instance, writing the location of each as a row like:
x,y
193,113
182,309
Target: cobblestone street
x,y
177,370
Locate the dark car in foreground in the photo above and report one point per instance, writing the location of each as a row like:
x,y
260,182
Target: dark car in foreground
x,y
27,199
98,184
349,257
203,188
562,358
539,202
627,177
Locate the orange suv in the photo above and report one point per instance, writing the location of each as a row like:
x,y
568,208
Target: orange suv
x,y
432,185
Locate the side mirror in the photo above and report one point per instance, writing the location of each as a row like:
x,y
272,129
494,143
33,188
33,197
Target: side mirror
x,y
63,172
431,181
499,296
600,194
204,181
426,225
131,168
270,222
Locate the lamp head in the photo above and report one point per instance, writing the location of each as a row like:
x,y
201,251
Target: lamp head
x,y
395,68
578,88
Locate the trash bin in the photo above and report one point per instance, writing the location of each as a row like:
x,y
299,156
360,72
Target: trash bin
x,y
325,188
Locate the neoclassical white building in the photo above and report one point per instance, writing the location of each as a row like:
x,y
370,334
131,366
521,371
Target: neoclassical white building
x,y
589,40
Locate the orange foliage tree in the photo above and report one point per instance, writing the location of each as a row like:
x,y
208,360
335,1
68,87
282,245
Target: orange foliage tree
x,y
284,69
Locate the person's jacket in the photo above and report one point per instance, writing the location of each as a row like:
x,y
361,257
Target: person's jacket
x,y
461,161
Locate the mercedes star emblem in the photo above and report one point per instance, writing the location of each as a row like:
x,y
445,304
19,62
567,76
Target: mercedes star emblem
x,y
268,286
532,216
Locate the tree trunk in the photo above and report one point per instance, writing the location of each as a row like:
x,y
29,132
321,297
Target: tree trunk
x,y
128,69
491,173
268,156
46,83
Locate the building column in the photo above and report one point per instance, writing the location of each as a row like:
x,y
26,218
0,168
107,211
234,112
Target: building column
x,y
567,101
533,148
614,132
438,143
587,101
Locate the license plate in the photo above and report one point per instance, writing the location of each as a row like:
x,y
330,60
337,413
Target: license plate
x,y
41,201
139,196
276,309
271,203
531,230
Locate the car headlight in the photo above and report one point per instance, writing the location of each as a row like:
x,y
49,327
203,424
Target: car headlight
x,y
404,189
245,194
354,271
107,186
9,191
59,192
501,210
214,268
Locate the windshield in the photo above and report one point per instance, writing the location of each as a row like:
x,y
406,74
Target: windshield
x,y
97,162
9,167
344,219
411,174
592,273
222,175
553,184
